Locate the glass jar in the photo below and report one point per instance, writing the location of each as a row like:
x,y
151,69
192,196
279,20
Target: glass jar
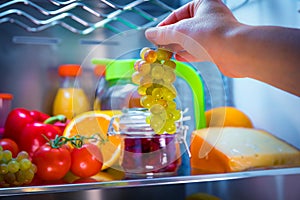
x,y
115,90
145,154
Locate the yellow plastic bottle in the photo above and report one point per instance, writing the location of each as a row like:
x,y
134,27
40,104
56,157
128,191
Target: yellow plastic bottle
x,y
70,99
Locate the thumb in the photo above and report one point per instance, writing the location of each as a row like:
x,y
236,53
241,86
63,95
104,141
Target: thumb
x,y
162,35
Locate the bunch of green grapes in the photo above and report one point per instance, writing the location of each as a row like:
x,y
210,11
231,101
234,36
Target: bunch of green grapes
x,y
155,76
17,171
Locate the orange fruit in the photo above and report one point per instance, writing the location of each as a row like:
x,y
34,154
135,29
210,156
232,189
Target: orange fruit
x,y
96,123
227,116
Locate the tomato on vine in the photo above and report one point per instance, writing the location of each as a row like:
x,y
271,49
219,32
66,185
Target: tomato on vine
x,y
52,162
86,160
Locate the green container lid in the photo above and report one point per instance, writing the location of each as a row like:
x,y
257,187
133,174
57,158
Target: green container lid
x,y
116,69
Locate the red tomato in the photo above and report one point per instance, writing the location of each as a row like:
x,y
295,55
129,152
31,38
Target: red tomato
x,y
86,160
52,163
9,144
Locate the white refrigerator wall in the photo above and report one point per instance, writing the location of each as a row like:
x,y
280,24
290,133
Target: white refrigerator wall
x,y
270,108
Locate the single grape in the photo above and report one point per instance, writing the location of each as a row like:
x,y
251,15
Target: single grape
x,y
146,81
136,64
29,174
21,177
169,76
157,109
171,105
157,93
170,63
147,101
143,51
13,166
25,164
144,67
1,155
33,168
136,76
21,155
164,115
157,71
170,127
163,54
150,89
142,90
156,123
1,148
3,168
150,56
7,156
174,114
10,178
162,102
158,83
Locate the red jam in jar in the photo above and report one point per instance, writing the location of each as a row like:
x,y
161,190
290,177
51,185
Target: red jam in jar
x,y
145,154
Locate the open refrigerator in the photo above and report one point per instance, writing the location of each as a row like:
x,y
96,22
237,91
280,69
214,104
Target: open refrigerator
x,y
38,36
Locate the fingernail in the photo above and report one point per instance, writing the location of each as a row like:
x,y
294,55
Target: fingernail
x,y
151,33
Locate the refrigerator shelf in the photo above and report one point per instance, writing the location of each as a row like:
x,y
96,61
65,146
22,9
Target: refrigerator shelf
x,y
151,182
84,17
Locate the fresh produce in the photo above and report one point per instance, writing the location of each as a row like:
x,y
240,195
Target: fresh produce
x,y
9,144
86,160
95,123
37,134
17,119
62,156
15,171
53,162
227,116
155,76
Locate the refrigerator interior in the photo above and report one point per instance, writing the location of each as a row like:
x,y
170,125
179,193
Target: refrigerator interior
x,y
31,51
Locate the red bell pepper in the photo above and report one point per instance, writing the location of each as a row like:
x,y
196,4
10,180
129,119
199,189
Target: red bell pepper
x,y
31,129
17,119
37,134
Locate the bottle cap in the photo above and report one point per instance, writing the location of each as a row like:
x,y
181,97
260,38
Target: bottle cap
x,y
6,96
69,70
100,70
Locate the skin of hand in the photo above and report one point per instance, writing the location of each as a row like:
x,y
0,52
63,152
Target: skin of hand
x,y
206,30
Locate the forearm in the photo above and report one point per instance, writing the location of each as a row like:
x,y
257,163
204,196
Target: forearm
x,y
269,54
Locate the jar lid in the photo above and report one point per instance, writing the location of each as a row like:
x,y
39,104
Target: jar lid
x,y
116,69
6,96
69,70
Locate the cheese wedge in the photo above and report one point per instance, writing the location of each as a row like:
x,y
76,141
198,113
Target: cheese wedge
x,y
231,149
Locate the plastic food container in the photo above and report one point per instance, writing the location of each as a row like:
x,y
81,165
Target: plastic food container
x,y
145,154
5,107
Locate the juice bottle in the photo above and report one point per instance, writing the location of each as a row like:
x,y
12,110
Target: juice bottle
x,y
99,72
70,99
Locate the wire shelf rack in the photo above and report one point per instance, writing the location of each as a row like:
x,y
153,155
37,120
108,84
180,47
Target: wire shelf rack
x,y
84,17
